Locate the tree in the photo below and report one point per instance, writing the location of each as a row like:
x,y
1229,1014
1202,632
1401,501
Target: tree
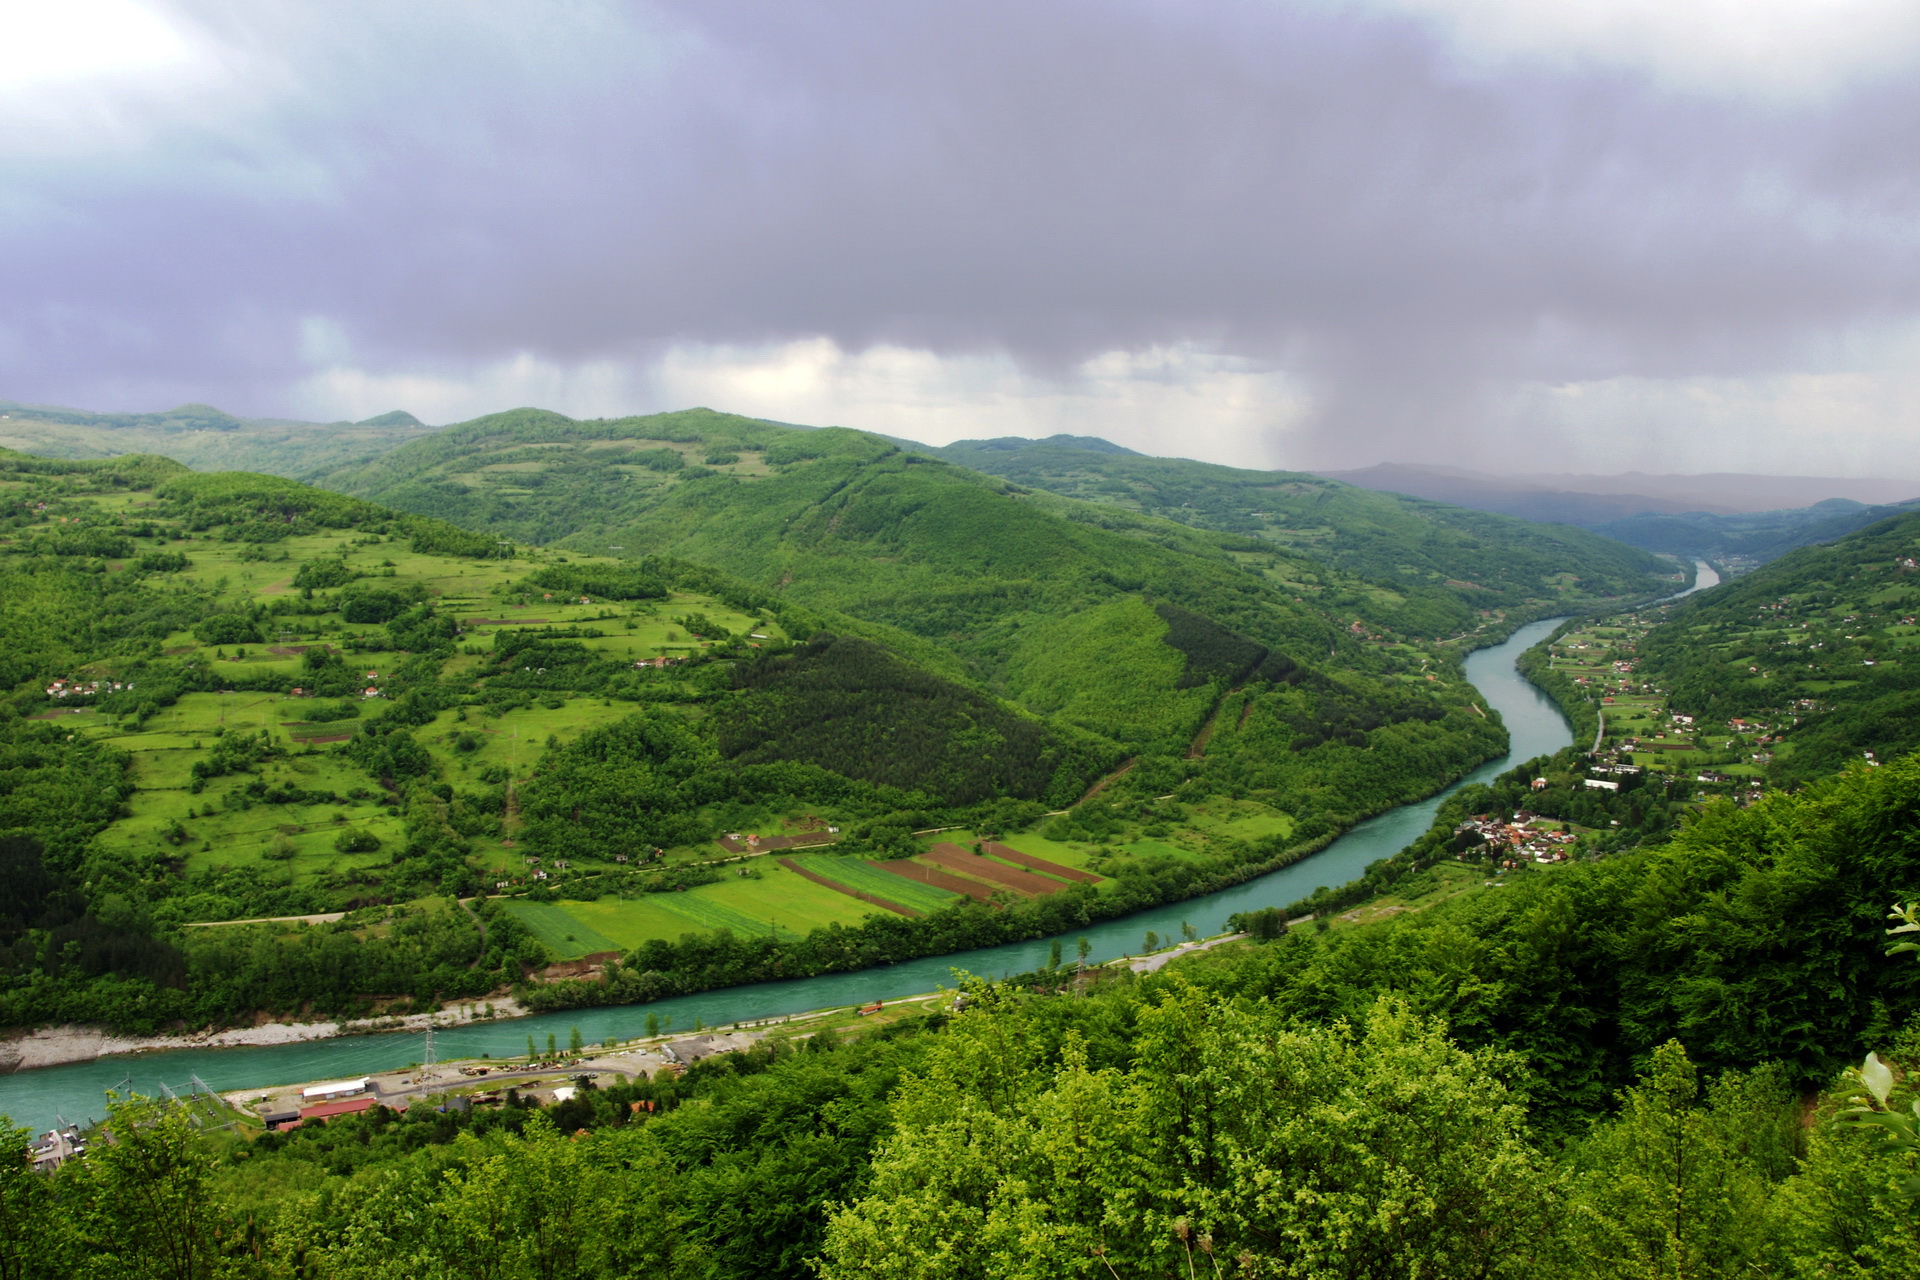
x,y
1673,1188
146,1204
1233,1138
32,1238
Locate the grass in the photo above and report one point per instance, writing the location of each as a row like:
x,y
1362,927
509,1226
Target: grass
x,y
559,929
857,874
779,899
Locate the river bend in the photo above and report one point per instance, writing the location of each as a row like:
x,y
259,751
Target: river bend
x,y
76,1092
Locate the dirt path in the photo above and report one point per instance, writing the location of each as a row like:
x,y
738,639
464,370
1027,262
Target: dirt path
x,y
1107,781
1158,960
324,917
1200,739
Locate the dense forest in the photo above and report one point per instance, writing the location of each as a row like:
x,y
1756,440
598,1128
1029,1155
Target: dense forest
x,y
808,508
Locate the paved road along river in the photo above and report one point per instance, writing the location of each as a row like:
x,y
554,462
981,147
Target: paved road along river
x,y
33,1098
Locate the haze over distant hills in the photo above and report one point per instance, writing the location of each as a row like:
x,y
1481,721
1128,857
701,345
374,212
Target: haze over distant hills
x,y
203,437
1582,499
1728,516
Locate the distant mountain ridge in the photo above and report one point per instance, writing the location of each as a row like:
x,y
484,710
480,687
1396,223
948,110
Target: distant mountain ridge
x,y
1724,516
203,437
1632,493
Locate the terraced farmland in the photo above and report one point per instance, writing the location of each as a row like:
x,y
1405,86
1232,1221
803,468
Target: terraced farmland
x,y
878,880
954,858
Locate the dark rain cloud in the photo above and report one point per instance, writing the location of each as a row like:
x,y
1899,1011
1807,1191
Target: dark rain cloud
x,y
1325,189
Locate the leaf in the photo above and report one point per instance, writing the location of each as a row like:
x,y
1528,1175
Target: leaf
x,y
1878,1078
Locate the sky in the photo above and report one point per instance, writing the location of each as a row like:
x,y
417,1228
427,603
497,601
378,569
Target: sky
x,y
1592,235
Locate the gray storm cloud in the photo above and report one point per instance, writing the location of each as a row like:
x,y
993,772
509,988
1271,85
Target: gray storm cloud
x,y
1323,189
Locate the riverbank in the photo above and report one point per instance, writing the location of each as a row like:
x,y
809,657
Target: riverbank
x,y
37,1099
61,1046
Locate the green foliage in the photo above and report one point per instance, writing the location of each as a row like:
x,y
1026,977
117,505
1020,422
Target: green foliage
x,y
1444,561
849,705
372,604
161,562
226,628
624,788
611,582
320,575
1217,1141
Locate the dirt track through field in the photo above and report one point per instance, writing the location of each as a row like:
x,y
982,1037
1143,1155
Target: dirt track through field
x,y
1032,863
954,858
851,892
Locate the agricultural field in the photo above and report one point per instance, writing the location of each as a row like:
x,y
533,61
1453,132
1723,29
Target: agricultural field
x,y
1602,662
775,898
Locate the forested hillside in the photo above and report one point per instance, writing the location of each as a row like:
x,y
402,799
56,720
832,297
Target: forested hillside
x,y
1417,567
1621,1068
1823,643
1451,558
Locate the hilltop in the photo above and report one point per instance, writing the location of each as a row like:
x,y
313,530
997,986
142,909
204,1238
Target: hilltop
x,y
1437,553
202,436
739,492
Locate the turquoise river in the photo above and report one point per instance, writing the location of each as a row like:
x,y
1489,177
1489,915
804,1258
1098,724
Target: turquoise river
x,y
76,1092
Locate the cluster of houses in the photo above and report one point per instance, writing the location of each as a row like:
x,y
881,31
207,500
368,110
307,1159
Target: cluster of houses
x,y
657,663
55,1147
1518,837
78,688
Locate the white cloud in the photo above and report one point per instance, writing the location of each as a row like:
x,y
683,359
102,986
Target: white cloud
x,y
1764,48
1185,401
53,44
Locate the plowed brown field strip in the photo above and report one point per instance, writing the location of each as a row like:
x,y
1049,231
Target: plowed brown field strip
x,y
938,879
1032,863
954,858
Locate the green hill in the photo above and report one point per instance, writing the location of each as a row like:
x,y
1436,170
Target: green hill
x,y
1822,643
1418,568
202,436
1450,559
231,695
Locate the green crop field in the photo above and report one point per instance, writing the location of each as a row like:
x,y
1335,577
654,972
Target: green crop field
x,y
632,921
560,929
856,873
780,896
746,906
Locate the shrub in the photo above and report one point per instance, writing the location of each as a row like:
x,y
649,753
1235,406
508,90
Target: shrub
x,y
226,628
